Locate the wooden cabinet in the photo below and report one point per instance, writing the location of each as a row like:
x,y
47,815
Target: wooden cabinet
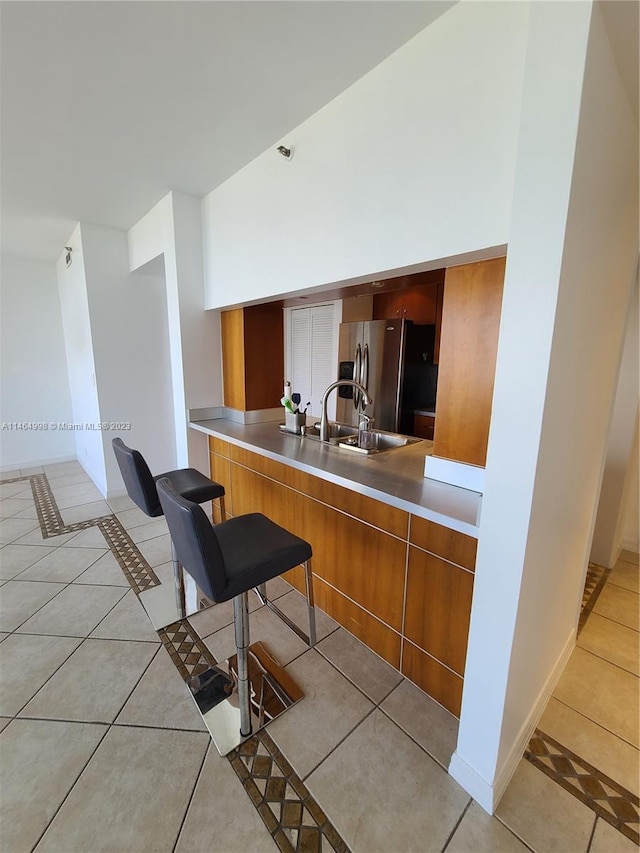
x,y
423,426
418,303
253,356
469,343
398,582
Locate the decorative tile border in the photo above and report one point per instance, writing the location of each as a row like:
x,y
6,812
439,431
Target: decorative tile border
x,y
290,813
605,797
593,586
295,821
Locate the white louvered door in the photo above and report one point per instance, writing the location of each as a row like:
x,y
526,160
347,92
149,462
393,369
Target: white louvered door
x,y
312,353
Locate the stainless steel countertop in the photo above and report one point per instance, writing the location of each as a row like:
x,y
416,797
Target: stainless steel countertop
x,y
395,477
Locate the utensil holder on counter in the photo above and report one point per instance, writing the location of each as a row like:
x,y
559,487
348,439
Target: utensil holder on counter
x,y
294,422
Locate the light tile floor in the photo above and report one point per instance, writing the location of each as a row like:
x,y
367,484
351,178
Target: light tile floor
x,y
103,749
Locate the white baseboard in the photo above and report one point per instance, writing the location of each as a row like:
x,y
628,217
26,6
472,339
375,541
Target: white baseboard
x,y
115,493
488,794
15,466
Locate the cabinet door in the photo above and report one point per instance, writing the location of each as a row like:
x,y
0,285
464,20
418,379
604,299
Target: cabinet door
x,y
387,306
420,303
423,426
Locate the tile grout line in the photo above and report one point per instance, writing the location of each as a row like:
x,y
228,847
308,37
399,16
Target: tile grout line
x,y
595,722
593,832
101,523
193,791
457,824
607,660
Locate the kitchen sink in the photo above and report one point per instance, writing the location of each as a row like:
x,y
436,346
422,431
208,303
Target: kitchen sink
x,y
384,441
346,438
336,431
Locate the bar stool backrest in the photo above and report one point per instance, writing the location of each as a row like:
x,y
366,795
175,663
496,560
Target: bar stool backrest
x,y
195,541
137,477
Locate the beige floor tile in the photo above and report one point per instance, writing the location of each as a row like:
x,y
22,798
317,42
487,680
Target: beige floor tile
x,y
135,806
294,606
121,503
93,685
11,506
10,475
21,599
610,640
35,469
265,627
31,513
105,571
150,530
360,665
384,793
62,564
613,756
11,490
4,722
64,469
3,636
92,537
602,692
36,538
15,558
620,605
85,512
545,816
156,551
607,839
626,575
12,529
161,699
26,662
431,725
630,557
133,517
482,833
127,621
215,618
80,493
331,708
238,827
75,612
70,480
41,761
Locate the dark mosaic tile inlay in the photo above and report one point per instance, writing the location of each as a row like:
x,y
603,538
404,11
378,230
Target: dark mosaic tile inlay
x,y
186,649
136,569
593,586
290,813
605,797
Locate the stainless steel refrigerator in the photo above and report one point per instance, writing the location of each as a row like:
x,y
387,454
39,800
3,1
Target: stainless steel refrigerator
x,y
393,360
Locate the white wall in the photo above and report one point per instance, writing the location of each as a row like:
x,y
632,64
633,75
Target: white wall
x,y
131,351
80,361
572,251
173,230
610,528
414,162
35,386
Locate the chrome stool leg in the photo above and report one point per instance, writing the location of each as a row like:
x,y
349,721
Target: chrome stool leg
x,y
178,580
241,624
311,609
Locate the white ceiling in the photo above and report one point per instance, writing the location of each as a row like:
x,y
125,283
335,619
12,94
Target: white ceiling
x,y
106,106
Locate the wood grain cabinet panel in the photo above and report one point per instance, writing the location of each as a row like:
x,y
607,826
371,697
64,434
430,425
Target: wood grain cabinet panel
x,y
468,347
436,680
358,622
217,445
438,608
444,542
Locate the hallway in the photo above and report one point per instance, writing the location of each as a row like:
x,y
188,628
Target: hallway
x,y
103,749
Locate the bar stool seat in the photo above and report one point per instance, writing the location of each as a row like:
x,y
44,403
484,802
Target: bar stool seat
x,y
141,488
229,559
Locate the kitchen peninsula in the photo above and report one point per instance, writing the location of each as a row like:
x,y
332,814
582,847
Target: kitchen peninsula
x,y
394,553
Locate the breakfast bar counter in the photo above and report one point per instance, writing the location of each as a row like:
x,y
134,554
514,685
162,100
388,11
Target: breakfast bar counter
x,y
393,553
395,477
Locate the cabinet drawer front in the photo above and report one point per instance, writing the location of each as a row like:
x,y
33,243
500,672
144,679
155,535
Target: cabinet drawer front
x,y
453,546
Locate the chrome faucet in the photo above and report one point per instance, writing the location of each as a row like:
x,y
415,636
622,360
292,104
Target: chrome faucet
x,y
324,420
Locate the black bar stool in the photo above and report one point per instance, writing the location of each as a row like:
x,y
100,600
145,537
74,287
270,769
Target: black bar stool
x,y
228,559
141,488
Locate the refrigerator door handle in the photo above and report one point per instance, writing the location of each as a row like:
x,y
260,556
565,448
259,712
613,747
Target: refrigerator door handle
x,y
364,375
357,370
